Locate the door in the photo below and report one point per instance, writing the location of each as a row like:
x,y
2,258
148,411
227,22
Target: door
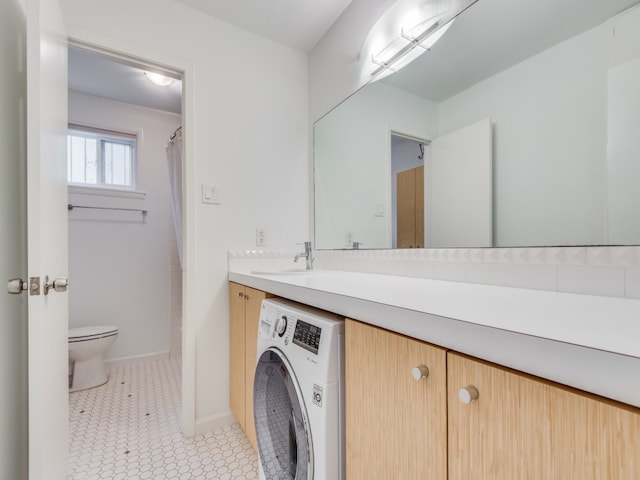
x,y
395,406
518,427
504,433
253,302
237,366
47,248
410,208
245,303
282,425
459,177
13,253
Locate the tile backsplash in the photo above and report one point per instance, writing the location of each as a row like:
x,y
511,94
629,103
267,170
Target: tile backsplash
x,y
609,271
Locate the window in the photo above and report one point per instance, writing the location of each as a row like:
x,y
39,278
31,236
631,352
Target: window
x,y
101,157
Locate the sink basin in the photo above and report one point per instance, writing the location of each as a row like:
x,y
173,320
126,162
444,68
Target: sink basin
x,y
290,271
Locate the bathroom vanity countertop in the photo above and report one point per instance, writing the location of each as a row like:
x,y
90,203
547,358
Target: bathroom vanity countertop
x,y
588,342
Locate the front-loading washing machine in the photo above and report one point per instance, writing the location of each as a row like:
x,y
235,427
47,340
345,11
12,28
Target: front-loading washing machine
x,y
298,397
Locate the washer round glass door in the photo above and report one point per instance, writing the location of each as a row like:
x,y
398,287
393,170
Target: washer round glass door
x,y
282,426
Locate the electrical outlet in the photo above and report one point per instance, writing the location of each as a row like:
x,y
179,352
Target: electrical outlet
x,y
349,238
260,237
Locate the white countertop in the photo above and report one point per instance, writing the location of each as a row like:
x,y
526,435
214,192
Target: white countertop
x,y
589,342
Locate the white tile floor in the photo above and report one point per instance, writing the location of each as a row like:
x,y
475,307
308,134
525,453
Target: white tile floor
x,y
130,429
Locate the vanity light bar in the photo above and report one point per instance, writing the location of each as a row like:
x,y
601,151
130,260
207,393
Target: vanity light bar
x,y
382,66
417,41
413,43
424,36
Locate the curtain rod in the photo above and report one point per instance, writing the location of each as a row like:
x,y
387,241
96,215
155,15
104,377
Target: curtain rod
x,y
71,207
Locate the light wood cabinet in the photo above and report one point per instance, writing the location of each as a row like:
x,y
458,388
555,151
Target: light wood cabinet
x,y
526,428
410,208
395,425
519,427
244,306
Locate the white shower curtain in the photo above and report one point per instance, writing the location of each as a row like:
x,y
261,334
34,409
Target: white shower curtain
x,y
174,160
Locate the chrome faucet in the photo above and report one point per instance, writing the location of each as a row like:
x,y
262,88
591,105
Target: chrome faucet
x,y
308,255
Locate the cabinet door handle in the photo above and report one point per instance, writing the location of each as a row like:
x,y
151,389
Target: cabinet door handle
x,y
240,295
420,372
468,394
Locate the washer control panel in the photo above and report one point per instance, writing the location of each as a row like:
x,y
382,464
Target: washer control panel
x,y
307,336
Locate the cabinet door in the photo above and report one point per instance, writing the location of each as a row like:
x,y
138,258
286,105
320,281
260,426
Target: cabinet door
x,y
253,301
521,427
396,425
237,352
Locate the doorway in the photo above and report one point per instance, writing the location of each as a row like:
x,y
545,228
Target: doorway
x,y
407,190
123,249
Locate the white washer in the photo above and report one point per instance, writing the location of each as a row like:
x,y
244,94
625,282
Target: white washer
x,y
298,396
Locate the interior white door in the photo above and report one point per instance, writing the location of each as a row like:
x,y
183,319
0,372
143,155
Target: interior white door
x,y
458,189
47,250
13,241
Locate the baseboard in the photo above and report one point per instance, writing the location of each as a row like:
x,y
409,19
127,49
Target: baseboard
x,y
214,422
118,362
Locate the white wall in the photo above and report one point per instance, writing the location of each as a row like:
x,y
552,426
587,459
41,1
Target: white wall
x,y
550,137
570,110
353,174
246,131
120,262
623,118
624,151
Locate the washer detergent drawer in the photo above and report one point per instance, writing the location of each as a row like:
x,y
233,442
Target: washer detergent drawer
x,y
282,425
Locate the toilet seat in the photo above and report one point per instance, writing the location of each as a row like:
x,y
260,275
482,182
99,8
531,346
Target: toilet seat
x,y
84,334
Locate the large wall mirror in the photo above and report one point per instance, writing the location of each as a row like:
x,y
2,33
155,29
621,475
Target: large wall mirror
x,y
520,127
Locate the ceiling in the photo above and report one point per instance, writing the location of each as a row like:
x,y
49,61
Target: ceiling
x,y
299,24
104,76
478,45
471,50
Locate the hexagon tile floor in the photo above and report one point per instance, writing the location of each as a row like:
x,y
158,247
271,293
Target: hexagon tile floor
x,y
130,429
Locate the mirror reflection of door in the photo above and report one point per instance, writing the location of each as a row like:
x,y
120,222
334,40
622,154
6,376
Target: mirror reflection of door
x,y
459,186
407,170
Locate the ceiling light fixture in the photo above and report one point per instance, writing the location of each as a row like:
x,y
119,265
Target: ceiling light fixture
x,y
159,80
402,50
390,45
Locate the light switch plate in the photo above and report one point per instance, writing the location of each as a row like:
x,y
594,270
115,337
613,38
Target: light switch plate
x,y
378,210
210,194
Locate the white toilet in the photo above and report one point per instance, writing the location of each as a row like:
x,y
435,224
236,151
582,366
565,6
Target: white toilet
x,y
87,346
